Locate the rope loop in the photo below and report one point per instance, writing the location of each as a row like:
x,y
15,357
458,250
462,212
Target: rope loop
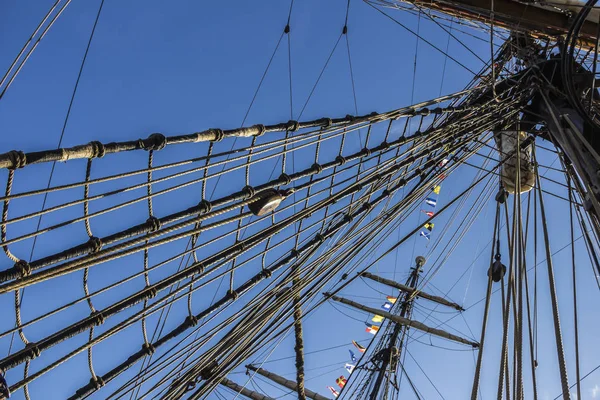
x,y
234,295
320,237
341,160
425,112
293,125
348,218
34,349
191,320
153,223
328,122
219,134
317,167
402,182
294,253
17,158
148,348
367,206
97,382
250,192
286,178
156,141
205,206
23,267
350,118
366,152
386,192
437,110
95,244
98,149
99,318
261,129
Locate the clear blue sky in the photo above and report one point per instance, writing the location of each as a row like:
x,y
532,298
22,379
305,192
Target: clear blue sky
x,y
184,66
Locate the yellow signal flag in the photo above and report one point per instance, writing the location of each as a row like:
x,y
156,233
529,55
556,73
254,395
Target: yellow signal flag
x,y
437,189
377,318
429,226
391,299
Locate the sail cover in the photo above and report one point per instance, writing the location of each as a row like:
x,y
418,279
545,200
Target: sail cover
x,y
507,142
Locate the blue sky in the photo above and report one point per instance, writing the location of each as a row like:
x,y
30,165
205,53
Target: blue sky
x,y
184,66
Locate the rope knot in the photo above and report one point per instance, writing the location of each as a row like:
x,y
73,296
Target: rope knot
x,y
191,385
425,112
205,206
294,253
191,320
156,141
199,268
219,134
341,160
95,244
293,125
99,318
366,152
261,129
286,178
317,167
97,382
23,267
148,348
153,224
267,273
34,349
17,158
437,110
385,192
152,292
250,192
234,295
366,206
328,122
350,118
348,218
402,182
98,150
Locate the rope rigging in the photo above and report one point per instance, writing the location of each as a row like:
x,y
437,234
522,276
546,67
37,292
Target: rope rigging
x,y
279,219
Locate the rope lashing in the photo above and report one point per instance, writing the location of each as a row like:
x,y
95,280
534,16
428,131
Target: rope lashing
x,y
95,244
23,267
17,159
98,149
155,142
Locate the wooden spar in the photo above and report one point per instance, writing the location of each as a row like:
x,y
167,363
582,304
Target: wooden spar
x,y
285,382
405,321
541,22
511,15
243,391
410,290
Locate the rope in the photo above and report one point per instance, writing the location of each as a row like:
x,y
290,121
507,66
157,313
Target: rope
x,y
553,297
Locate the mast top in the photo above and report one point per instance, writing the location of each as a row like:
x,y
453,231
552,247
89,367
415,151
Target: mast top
x,y
420,260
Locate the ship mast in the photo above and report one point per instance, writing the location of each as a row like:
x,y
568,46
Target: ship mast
x,y
395,341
